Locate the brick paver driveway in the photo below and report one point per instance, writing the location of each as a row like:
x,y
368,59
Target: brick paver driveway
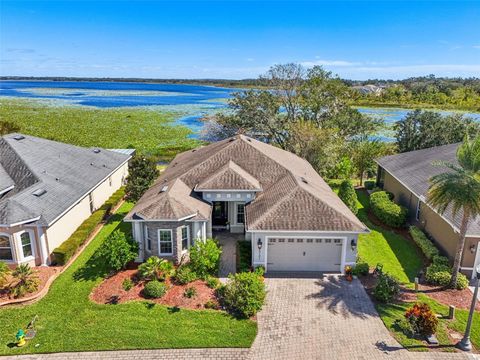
x,y
304,318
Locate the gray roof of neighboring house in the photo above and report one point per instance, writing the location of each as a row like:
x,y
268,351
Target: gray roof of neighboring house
x,y
293,196
414,169
65,172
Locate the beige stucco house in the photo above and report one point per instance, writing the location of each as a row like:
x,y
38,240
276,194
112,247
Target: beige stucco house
x,y
407,177
47,189
240,185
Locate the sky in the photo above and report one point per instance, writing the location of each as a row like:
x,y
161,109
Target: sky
x,y
238,39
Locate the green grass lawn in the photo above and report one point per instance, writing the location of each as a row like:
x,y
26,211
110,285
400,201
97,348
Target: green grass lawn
x,y
399,256
148,131
69,321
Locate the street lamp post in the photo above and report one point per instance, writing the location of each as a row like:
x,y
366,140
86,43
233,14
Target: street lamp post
x,y
465,343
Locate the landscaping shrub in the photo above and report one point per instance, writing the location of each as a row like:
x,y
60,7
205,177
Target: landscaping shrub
x,y
387,288
441,260
154,289
210,304
440,273
212,282
185,275
26,281
462,281
4,271
427,247
387,211
361,268
205,257
67,249
369,184
190,292
244,256
422,319
348,195
127,284
156,268
118,250
259,270
244,294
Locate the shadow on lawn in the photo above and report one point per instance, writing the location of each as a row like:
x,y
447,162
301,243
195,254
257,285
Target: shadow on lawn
x,y
344,298
95,267
382,346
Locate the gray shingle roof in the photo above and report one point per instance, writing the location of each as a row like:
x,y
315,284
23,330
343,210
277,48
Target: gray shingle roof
x,y
293,196
415,168
231,177
65,172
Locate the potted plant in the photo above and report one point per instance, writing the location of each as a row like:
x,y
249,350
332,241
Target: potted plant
x,y
348,273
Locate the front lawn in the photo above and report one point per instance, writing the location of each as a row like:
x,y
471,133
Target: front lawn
x,y
400,257
69,321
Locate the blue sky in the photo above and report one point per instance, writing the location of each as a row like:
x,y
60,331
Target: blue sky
x,y
228,39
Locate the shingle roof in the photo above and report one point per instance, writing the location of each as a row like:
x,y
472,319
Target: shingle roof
x,y
293,196
231,177
414,170
65,172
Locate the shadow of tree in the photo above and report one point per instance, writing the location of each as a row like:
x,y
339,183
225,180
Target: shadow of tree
x,y
95,267
344,298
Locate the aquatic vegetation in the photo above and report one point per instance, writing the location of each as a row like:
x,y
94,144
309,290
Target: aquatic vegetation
x,y
151,132
97,92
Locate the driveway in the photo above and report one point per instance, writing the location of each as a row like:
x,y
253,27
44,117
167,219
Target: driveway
x,y
305,317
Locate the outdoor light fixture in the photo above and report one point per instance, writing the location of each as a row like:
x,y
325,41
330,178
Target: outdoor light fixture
x,y
259,244
472,248
353,244
465,344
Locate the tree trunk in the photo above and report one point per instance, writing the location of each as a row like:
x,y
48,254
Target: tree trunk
x,y
459,251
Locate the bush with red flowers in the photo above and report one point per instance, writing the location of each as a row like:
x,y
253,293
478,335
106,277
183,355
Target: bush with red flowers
x,y
422,319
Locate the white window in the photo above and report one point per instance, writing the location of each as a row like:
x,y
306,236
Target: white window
x,y
185,237
239,196
110,180
165,246
26,244
209,196
148,238
240,213
5,248
419,207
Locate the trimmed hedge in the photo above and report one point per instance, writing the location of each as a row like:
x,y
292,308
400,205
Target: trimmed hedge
x,y
348,195
427,247
67,249
387,211
244,251
154,289
440,273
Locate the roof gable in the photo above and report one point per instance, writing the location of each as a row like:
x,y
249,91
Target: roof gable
x,y
230,177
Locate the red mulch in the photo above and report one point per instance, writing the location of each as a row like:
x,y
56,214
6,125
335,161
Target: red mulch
x,y
111,291
461,299
43,273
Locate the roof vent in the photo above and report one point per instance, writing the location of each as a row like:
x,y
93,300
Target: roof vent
x,y
304,180
19,137
57,179
96,151
165,188
248,139
39,192
231,139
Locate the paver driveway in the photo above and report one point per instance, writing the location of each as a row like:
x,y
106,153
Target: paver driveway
x,y
304,318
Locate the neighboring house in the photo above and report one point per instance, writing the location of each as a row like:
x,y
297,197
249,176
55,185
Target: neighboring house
x,y
47,189
294,220
407,177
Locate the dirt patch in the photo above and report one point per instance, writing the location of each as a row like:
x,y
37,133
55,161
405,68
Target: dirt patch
x,y
461,299
111,291
43,273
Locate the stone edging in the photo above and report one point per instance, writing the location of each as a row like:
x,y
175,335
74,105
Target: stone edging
x,y
34,298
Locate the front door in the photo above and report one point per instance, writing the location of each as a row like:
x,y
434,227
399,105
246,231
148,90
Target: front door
x,y
219,213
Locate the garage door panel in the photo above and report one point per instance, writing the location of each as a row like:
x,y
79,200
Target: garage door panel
x,y
304,254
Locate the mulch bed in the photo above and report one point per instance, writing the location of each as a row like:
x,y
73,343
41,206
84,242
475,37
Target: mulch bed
x,y
110,291
461,299
43,272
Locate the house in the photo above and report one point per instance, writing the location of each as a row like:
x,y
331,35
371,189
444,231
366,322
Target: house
x,y
47,189
240,185
407,176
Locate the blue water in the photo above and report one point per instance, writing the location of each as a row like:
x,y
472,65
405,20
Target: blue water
x,y
191,101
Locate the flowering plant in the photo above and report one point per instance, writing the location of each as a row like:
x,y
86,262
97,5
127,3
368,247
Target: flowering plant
x,y
422,319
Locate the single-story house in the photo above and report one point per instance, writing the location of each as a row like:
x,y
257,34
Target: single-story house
x,y
240,185
407,176
47,189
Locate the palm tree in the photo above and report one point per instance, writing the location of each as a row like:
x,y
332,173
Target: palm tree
x,y
459,188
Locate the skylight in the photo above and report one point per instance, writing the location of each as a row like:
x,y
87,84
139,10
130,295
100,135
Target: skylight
x,y
39,192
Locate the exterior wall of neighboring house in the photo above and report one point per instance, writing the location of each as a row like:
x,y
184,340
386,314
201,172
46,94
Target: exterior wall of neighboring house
x,y
61,229
471,255
260,257
431,222
14,234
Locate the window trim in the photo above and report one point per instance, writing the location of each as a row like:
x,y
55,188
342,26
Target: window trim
x,y
12,247
148,240
188,238
21,254
236,214
158,240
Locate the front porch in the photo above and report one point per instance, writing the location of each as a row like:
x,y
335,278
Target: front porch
x,y
228,242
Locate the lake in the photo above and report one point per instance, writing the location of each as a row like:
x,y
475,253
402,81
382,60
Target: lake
x,y
192,102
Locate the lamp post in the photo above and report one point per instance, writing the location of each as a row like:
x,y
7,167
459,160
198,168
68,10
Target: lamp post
x,y
465,343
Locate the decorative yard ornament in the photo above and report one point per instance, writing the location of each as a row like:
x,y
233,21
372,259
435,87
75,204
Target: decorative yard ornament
x,y
20,337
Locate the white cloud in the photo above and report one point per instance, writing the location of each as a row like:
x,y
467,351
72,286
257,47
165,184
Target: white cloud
x,y
328,63
476,46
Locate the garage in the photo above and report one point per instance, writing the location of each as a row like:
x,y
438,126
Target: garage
x,y
304,254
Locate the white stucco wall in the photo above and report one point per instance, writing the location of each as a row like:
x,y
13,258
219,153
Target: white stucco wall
x,y
105,190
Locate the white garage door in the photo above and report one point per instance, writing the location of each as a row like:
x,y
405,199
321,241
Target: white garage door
x,y
293,254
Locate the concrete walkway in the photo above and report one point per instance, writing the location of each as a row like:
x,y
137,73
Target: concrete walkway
x,y
304,318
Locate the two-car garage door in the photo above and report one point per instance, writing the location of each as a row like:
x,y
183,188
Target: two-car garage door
x,y
304,254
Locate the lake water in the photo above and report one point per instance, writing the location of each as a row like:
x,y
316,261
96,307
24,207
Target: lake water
x,y
192,102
